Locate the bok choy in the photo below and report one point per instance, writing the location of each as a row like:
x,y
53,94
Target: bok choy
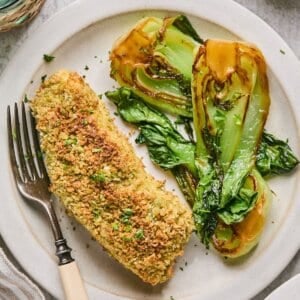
x,y
155,59
163,66
233,73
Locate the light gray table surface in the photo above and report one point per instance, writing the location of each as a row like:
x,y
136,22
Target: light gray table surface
x,y
282,15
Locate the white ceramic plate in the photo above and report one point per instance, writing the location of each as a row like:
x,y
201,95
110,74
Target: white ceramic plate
x,y
75,36
289,290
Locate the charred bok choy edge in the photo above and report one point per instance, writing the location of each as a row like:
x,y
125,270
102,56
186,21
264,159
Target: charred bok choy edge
x,y
233,73
155,59
273,157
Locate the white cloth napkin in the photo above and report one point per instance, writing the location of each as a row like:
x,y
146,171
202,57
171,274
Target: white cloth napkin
x,y
14,285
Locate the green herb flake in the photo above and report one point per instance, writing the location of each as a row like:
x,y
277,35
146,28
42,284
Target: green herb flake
x,y
139,235
85,122
100,96
43,78
126,239
128,212
115,226
71,141
113,72
39,155
128,228
181,268
96,212
25,100
86,68
98,177
126,215
48,58
282,52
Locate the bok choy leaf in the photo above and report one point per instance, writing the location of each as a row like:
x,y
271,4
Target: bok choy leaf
x,y
166,146
155,59
274,156
227,140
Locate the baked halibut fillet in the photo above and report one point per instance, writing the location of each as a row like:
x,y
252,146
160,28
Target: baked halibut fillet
x,y
102,183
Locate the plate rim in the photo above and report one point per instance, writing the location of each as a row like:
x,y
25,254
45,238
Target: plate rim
x,y
278,292
114,7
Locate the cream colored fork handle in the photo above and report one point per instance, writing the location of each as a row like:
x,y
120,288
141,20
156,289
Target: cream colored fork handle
x,y
72,282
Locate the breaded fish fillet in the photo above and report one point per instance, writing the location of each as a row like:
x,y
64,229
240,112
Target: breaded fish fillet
x,y
94,171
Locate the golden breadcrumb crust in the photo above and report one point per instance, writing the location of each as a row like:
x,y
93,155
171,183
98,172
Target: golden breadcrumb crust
x,y
95,173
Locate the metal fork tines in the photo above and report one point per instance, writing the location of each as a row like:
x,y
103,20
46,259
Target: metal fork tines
x,y
30,174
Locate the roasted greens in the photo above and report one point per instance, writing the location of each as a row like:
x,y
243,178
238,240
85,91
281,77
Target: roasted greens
x,y
223,88
222,71
155,59
274,156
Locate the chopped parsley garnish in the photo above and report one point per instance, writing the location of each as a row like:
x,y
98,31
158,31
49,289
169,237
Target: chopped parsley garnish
x,y
128,212
25,100
43,78
126,215
115,226
127,239
98,177
39,155
86,68
282,52
139,234
48,58
128,228
113,72
96,212
71,141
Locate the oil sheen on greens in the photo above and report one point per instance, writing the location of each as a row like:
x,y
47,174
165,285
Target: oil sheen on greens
x,y
223,89
155,59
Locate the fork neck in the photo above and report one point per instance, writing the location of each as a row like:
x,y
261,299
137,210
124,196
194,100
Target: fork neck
x,y
63,251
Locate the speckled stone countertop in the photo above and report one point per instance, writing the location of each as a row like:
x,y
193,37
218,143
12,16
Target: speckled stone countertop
x,y
282,15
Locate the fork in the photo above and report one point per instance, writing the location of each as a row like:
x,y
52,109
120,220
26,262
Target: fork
x,y
32,182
